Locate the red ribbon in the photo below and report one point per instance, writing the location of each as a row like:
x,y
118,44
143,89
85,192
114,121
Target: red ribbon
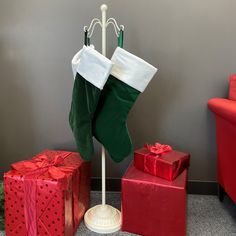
x,y
158,148
150,163
31,170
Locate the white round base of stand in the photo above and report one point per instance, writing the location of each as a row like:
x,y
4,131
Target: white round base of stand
x,y
103,219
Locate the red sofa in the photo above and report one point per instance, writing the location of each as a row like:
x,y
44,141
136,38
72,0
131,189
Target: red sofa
x,y
225,113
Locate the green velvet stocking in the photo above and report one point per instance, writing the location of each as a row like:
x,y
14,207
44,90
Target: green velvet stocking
x,y
129,77
90,70
84,102
109,124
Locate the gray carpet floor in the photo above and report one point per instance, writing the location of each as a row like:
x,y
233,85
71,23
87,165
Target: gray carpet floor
x,y
206,216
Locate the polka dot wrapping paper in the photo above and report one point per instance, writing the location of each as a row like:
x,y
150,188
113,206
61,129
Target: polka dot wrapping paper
x,y
39,203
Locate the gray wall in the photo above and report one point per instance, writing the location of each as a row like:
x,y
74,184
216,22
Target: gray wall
x,y
193,43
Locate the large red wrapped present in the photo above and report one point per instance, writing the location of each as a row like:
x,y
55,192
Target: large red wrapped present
x,y
47,195
153,206
161,160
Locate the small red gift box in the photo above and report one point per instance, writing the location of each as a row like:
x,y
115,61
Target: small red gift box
x,y
47,195
164,163
152,206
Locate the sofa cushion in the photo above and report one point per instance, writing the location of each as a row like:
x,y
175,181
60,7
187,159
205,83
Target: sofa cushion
x,y
232,87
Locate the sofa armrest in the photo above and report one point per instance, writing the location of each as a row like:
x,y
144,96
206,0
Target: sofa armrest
x,y
223,107
232,87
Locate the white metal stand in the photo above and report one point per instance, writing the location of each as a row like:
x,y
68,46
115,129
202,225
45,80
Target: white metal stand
x,y
103,218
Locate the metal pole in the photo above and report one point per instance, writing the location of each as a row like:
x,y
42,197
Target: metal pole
x,y
103,9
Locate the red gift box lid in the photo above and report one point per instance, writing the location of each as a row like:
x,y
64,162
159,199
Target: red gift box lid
x,y
168,157
74,161
133,174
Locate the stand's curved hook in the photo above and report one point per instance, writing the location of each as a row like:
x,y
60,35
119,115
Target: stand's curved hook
x,y
90,32
115,25
92,25
96,21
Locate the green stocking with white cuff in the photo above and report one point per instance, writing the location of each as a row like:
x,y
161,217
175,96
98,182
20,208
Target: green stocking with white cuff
x,y
129,77
91,70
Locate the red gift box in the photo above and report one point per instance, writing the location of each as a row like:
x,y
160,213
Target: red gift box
x,y
47,195
167,165
153,206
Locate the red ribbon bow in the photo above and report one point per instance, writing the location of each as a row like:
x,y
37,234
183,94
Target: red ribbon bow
x,y
151,161
41,164
158,148
31,170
